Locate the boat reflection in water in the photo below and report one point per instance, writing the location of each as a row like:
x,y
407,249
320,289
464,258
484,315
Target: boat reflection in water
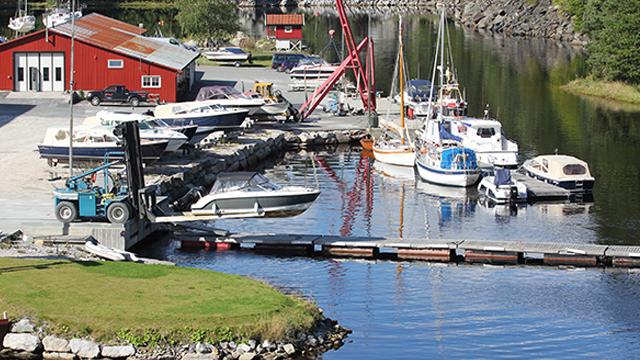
x,y
453,204
402,173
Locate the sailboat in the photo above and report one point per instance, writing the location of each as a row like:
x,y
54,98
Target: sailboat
x,y
388,148
23,22
439,156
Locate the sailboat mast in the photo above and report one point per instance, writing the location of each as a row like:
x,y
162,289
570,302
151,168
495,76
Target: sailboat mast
x,y
442,24
401,68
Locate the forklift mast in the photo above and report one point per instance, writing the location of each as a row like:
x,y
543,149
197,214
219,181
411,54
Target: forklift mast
x,y
130,135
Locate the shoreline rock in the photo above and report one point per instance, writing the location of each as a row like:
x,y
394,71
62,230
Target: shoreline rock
x,y
325,335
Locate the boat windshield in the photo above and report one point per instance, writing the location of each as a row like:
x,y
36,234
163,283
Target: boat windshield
x,y
242,181
574,169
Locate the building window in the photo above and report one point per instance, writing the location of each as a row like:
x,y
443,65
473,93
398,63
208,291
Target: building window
x,y
288,29
20,74
58,74
151,81
45,74
115,63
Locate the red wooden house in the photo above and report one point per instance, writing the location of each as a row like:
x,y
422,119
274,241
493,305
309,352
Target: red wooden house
x,y
286,29
107,52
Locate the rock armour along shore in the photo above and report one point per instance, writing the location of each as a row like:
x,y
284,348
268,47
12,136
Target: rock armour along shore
x,y
516,18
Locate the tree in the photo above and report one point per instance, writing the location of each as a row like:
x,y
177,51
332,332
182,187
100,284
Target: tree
x,y
613,27
205,20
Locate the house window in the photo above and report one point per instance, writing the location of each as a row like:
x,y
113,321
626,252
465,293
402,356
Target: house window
x,y
115,63
20,74
45,74
58,74
151,81
288,29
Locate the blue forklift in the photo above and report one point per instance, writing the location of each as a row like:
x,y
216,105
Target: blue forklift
x,y
103,193
95,194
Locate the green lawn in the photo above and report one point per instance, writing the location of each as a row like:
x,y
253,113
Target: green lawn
x,y
616,91
107,300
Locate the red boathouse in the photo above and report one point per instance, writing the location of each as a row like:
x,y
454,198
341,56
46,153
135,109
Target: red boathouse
x,y
107,52
286,29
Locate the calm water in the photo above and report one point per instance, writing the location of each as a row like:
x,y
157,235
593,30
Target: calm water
x,y
409,310
415,310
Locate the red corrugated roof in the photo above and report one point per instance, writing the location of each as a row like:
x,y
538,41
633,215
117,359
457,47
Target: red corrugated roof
x,y
112,34
285,19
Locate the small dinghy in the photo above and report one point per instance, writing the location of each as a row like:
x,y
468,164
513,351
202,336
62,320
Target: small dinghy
x,y
501,189
250,194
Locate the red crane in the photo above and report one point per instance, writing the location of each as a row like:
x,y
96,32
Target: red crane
x,y
352,60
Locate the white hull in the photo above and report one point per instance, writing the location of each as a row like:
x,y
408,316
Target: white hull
x,y
23,24
273,109
502,194
400,157
59,17
405,173
458,178
506,159
225,57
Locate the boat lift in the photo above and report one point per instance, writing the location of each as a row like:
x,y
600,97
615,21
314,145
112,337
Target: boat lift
x,y
365,78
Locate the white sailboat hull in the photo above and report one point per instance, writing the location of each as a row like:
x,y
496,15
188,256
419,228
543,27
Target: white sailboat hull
x,y
400,157
458,178
23,24
506,159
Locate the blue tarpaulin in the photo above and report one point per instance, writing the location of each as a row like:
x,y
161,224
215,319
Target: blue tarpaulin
x,y
445,135
466,160
503,177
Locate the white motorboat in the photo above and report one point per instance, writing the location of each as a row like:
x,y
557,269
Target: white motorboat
x,y
148,130
250,194
486,138
234,55
91,144
208,117
310,68
60,14
22,22
229,96
501,188
565,171
390,150
416,97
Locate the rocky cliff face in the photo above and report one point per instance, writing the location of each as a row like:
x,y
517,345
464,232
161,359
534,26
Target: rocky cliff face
x,y
520,18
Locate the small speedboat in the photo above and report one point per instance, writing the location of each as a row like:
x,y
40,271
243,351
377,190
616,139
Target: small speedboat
x,y
234,55
208,117
148,129
229,96
91,144
501,188
564,171
250,194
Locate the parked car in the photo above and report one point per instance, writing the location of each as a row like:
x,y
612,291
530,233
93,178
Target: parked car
x,y
279,58
117,94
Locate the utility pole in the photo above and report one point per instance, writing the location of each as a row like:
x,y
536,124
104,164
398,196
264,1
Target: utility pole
x,y
73,35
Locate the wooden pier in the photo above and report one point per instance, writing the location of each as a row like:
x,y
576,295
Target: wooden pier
x,y
540,191
445,250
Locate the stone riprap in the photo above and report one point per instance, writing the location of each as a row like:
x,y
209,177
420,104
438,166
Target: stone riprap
x,y
326,334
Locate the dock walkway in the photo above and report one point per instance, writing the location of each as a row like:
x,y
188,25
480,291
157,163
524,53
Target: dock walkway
x,y
438,250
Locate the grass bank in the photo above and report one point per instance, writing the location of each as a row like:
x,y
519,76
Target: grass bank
x,y
147,304
616,91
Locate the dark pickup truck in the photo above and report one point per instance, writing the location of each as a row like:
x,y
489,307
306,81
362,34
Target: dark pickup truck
x,y
117,94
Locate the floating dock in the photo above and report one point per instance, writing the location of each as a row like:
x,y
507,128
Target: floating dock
x,y
541,191
458,251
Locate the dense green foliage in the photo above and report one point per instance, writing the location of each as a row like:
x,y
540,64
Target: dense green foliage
x,y
207,19
613,28
146,304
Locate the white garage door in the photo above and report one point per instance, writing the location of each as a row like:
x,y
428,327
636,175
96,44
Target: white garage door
x,y
39,72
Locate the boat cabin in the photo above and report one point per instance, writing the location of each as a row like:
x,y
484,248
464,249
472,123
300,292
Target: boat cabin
x,y
560,167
